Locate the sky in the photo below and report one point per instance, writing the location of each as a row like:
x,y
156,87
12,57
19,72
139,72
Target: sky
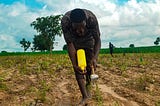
x,y
122,22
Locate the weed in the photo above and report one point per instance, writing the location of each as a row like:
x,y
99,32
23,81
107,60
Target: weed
x,y
3,86
141,59
44,65
157,103
111,60
98,96
23,69
116,103
123,68
42,91
139,83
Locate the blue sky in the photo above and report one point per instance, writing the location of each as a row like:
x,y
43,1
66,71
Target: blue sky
x,y
30,3
121,22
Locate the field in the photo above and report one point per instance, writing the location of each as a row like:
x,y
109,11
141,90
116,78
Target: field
x,y
130,79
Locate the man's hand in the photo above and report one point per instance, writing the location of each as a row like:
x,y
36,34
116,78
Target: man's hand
x,y
78,69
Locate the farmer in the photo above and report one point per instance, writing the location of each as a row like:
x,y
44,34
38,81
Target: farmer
x,y
111,48
81,31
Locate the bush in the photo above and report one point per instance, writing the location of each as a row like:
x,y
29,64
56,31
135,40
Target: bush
x,y
3,51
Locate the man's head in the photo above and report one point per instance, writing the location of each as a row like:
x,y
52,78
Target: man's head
x,y
78,19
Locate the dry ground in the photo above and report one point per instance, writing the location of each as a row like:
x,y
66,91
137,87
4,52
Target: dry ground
x,y
130,80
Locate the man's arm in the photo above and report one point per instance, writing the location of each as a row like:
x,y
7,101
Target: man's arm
x,y
97,46
72,53
94,30
65,23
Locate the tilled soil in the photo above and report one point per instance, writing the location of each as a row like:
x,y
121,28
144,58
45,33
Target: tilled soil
x,y
137,86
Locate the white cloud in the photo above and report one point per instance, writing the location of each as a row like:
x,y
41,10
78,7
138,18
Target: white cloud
x,y
14,11
157,31
112,20
126,34
59,43
145,42
15,25
7,41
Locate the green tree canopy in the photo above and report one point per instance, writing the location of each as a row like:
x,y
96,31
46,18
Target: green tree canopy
x,y
157,41
131,45
47,28
40,43
65,47
25,44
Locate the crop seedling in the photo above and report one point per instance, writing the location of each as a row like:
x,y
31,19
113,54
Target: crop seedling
x,y
98,96
157,103
42,91
3,86
116,103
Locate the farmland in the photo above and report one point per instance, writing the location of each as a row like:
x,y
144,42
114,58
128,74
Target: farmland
x,y
130,79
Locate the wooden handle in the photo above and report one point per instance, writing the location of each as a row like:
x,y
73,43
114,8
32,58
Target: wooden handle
x,y
92,70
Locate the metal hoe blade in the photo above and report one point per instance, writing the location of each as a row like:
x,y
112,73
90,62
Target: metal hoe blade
x,y
94,77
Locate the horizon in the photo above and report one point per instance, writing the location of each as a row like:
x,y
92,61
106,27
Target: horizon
x,y
38,51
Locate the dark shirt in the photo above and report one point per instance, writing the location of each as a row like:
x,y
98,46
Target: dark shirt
x,y
91,31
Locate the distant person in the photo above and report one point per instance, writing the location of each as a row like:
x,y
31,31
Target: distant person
x,y
111,48
81,31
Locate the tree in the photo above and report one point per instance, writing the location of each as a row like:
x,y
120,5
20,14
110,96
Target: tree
x,y
3,51
40,42
65,47
157,41
47,28
25,44
131,45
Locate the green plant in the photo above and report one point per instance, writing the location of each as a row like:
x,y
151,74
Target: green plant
x,y
157,103
42,91
44,65
123,68
23,69
116,103
142,82
3,86
98,96
141,59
